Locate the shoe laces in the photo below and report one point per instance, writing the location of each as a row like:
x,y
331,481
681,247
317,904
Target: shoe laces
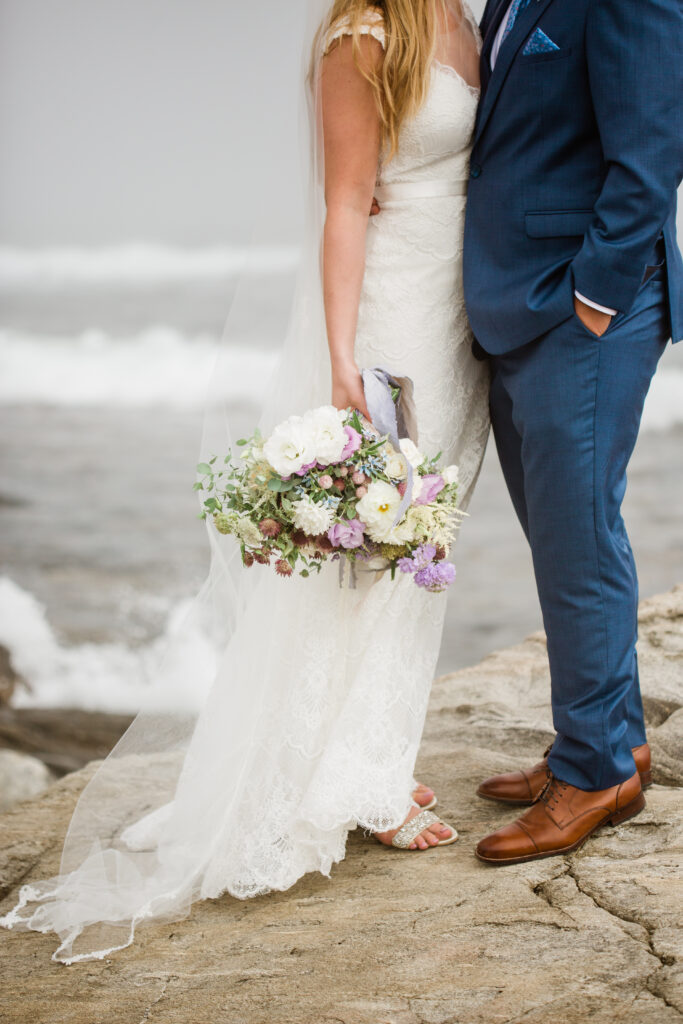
x,y
553,791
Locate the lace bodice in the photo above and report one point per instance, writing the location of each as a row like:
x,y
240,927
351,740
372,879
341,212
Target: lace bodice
x,y
435,144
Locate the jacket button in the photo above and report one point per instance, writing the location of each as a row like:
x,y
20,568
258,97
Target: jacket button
x,y
475,171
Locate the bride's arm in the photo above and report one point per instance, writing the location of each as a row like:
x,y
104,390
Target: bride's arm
x,y
351,127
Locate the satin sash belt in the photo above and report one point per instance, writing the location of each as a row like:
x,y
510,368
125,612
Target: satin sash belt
x,y
420,190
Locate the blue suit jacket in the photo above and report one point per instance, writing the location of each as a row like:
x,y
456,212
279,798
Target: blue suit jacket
x,y
578,154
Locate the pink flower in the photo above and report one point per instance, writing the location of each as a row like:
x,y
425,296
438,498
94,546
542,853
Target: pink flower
x,y
432,483
304,469
352,445
358,477
343,471
348,534
361,492
340,483
283,568
325,481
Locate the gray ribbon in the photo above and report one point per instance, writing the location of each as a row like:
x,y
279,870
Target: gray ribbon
x,y
352,571
395,419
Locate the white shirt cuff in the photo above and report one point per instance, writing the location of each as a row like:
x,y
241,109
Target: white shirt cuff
x,y
595,305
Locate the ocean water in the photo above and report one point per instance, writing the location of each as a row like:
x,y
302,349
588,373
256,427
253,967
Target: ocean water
x,y
105,358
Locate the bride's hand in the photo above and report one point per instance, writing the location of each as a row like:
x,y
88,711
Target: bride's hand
x,y
347,390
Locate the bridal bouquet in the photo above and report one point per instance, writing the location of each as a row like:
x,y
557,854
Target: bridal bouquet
x,y
326,486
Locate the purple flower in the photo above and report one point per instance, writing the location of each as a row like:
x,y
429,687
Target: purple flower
x,y
304,469
432,483
352,445
347,534
436,576
423,555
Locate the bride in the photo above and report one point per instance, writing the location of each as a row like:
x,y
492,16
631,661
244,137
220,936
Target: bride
x,y
312,724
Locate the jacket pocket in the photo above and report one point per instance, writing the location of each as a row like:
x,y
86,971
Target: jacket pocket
x,y
558,224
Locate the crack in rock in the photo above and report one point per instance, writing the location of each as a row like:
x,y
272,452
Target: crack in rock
x,y
651,981
155,1002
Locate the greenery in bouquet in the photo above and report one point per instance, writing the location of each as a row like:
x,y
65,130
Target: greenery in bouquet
x,y
325,486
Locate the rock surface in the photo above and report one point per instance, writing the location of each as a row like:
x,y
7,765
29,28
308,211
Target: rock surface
x,y
9,677
396,938
21,777
65,739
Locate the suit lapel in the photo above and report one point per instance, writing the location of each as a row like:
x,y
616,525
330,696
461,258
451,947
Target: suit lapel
x,y
491,29
493,14
525,22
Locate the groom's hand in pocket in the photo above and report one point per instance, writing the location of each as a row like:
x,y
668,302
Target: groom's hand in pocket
x,y
594,320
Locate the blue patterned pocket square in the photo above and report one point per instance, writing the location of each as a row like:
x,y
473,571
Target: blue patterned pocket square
x,y
539,42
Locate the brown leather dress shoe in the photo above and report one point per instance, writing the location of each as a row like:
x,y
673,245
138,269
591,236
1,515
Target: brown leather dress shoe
x,y
561,820
524,787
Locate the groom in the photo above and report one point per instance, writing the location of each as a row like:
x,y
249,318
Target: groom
x,y
574,285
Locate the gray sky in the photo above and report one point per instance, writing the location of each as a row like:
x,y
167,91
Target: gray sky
x,y
118,118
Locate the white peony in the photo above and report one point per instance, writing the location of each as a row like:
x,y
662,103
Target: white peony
x,y
290,446
451,475
411,452
327,430
378,508
395,465
310,517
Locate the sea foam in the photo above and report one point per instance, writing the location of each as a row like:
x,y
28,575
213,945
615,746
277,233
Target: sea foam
x,y
103,676
158,366
137,266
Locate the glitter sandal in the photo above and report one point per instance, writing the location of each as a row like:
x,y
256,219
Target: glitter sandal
x,y
408,833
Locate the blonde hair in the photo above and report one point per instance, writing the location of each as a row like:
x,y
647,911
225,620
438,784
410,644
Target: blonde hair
x,y
401,84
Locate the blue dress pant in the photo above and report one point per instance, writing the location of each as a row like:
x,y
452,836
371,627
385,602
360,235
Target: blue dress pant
x,y
566,411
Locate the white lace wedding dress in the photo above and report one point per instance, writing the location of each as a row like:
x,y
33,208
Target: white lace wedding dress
x,y
318,730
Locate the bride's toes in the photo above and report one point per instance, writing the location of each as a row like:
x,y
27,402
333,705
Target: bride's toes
x,y
423,795
431,837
